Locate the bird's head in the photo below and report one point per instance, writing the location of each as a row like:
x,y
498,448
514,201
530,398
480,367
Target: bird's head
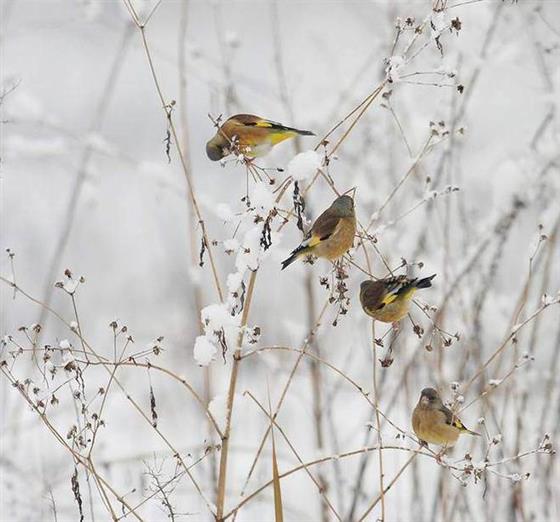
x,y
217,148
365,285
343,206
429,398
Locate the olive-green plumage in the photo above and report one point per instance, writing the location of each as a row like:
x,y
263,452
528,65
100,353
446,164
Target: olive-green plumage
x,y
435,423
388,300
249,135
332,234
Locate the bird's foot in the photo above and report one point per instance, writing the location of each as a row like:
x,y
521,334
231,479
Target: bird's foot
x,y
439,456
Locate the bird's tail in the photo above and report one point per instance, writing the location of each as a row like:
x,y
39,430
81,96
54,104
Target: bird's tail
x,y
458,424
425,283
298,131
304,132
299,251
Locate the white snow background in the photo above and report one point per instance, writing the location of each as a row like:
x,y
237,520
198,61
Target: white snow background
x,y
86,185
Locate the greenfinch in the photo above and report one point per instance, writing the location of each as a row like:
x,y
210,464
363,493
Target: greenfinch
x,y
435,423
332,234
249,135
388,300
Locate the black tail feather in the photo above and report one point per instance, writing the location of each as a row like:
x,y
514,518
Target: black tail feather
x,y
279,126
289,261
293,256
304,132
292,129
425,283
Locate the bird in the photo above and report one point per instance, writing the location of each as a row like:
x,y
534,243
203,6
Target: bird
x,y
388,300
435,423
249,135
332,234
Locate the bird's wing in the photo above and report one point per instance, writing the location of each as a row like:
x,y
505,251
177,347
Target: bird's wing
x,y
453,420
249,120
324,227
396,286
256,121
245,119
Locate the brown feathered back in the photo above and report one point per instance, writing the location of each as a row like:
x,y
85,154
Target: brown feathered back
x,y
245,119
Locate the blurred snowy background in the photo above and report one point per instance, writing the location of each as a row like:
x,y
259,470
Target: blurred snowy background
x,y
86,185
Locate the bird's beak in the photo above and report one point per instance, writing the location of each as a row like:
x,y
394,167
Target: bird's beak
x,y
424,401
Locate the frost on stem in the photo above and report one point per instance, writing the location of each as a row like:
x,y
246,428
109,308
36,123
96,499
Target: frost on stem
x,y
221,322
204,351
438,24
70,284
230,246
394,63
221,328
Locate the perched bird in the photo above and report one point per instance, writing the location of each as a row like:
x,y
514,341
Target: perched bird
x,y
331,235
388,300
249,135
434,423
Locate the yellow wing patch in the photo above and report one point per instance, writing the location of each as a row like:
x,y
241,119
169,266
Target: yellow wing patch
x,y
313,241
264,123
277,137
389,298
459,425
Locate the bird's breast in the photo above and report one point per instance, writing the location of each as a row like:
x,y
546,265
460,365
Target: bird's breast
x,y
339,242
392,312
430,426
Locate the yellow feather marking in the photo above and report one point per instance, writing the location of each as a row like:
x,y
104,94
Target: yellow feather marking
x,y
389,298
313,241
279,136
459,425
